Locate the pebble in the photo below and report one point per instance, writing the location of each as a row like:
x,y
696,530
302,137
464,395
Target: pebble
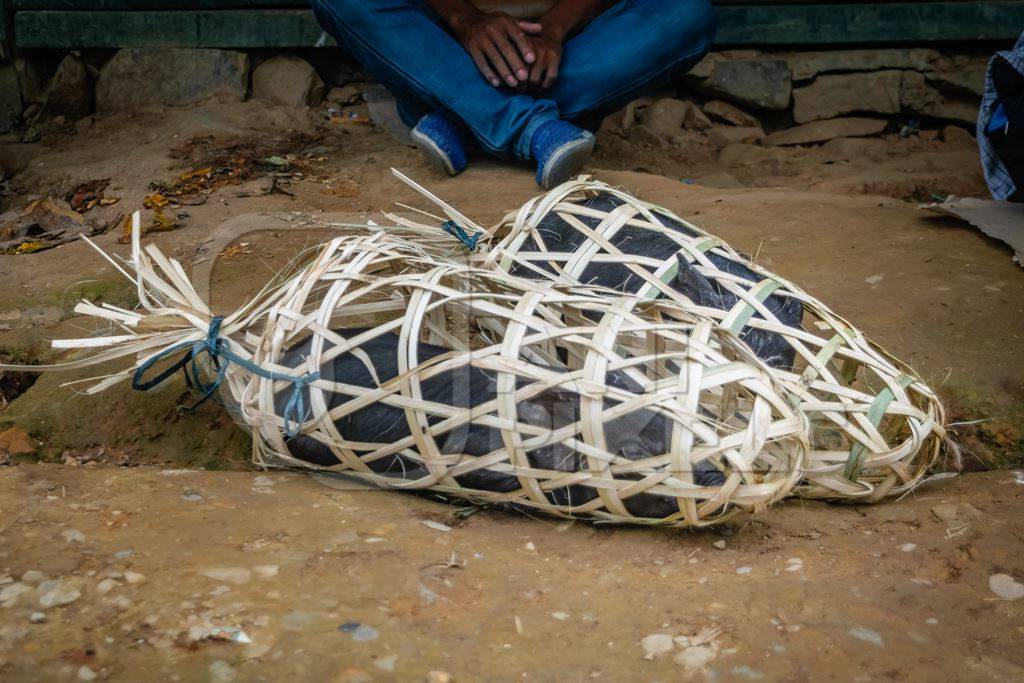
x,y
656,644
11,593
236,575
561,616
1006,587
719,544
931,621
61,594
908,547
439,677
436,526
73,536
37,617
867,635
123,554
530,546
695,658
86,674
364,633
106,585
134,577
33,576
221,672
794,564
266,571
743,571
386,663
191,496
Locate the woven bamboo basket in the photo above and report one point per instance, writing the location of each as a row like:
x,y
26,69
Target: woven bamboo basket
x,y
876,427
606,368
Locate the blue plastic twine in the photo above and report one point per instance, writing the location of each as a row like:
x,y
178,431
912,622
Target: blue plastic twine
x,y
219,351
459,233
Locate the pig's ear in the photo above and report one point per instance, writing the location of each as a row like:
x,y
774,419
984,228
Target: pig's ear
x,y
696,286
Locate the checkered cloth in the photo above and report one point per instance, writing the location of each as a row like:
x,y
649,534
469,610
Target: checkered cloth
x,y
992,116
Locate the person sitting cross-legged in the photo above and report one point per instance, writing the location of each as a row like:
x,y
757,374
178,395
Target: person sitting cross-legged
x,y
531,82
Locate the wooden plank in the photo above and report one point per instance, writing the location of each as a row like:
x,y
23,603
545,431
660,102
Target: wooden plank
x,y
738,25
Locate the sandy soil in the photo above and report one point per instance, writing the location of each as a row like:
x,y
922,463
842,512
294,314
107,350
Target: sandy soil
x,y
835,219
351,585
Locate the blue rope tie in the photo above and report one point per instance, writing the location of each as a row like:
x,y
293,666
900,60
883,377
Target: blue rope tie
x,y
459,233
219,351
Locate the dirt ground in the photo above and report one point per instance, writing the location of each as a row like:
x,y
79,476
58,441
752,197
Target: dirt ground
x,y
839,219
351,585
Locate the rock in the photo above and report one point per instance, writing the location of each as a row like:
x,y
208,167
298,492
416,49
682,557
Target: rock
x,y
874,149
73,536
86,674
744,571
960,73
1006,587
70,93
288,80
439,677
760,83
656,644
37,617
806,65
631,112
723,136
386,663
12,592
136,78
665,117
222,672
643,135
33,576
917,96
867,635
695,658
719,544
10,98
266,571
63,593
106,585
695,119
958,136
726,113
830,129
953,512
908,547
134,578
346,94
16,441
236,575
831,96
34,72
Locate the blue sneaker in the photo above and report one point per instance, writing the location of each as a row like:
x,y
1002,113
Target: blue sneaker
x,y
560,149
442,142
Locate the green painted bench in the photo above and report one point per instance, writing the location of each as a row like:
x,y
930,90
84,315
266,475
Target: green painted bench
x,y
289,23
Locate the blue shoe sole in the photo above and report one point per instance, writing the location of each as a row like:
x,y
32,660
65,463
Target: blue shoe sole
x,y
565,162
435,155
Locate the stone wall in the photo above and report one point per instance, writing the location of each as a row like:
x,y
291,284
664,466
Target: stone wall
x,y
814,96
741,95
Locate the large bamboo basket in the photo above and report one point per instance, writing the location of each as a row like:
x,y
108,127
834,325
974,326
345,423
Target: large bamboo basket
x,y
876,427
722,405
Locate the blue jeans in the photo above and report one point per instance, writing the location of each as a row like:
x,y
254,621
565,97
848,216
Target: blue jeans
x,y
632,48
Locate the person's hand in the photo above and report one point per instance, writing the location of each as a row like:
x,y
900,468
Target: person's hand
x,y
547,48
498,45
